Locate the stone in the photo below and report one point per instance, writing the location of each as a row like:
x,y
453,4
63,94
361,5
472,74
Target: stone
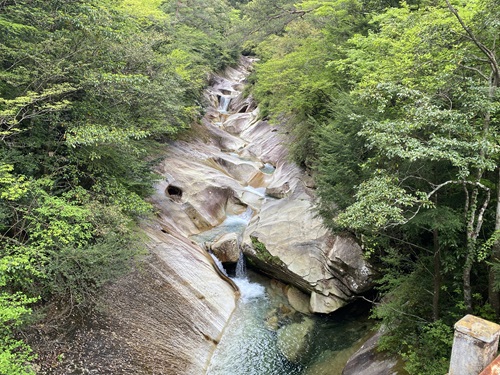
x,y
325,304
237,123
272,322
368,361
293,339
347,263
226,248
289,242
298,299
475,345
243,171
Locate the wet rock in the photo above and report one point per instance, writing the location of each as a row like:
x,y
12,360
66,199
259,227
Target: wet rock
x,y
298,299
293,339
226,248
325,304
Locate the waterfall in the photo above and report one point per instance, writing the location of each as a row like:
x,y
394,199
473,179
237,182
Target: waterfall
x,y
241,268
224,103
218,263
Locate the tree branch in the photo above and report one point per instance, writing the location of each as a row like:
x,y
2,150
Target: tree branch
x,y
489,53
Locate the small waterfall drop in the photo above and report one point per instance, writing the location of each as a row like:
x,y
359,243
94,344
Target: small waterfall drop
x,y
249,290
241,268
224,103
218,263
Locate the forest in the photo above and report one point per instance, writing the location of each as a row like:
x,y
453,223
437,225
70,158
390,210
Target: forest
x,y
393,107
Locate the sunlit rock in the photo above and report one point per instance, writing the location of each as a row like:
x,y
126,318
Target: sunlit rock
x,y
298,299
226,248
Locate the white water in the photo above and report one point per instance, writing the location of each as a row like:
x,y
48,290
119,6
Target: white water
x,y
218,263
261,191
232,224
224,104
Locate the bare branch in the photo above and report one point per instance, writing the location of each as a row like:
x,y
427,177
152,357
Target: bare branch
x,y
486,51
480,216
476,70
465,182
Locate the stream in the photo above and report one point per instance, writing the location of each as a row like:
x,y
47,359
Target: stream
x,y
250,342
264,326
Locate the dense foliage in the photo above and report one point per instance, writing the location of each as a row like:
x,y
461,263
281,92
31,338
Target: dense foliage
x,y
395,108
88,88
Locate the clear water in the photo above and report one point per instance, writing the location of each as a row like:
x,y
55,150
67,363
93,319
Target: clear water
x,y
232,224
249,345
268,169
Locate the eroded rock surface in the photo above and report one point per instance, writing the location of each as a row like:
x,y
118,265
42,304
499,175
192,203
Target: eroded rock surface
x,y
368,361
226,248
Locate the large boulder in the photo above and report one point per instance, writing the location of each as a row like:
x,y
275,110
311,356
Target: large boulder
x,y
226,248
297,299
346,262
289,242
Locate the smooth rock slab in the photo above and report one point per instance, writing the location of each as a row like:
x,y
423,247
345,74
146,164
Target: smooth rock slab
x,y
368,361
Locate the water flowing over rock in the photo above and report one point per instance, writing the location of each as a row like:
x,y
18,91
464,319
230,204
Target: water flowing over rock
x,y
236,174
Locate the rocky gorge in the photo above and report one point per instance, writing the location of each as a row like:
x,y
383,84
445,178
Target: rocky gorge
x,y
240,167
169,315
207,180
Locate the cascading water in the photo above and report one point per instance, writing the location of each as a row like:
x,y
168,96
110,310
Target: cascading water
x,y
251,342
218,263
241,269
232,224
224,104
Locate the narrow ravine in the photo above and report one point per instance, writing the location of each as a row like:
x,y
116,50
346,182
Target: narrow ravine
x,y
244,170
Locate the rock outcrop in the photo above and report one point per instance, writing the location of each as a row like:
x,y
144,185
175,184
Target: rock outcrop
x,y
368,361
207,180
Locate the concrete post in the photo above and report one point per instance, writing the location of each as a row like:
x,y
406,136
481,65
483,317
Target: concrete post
x,y
475,345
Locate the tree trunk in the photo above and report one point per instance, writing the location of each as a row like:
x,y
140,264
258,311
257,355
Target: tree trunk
x,y
494,296
467,286
437,276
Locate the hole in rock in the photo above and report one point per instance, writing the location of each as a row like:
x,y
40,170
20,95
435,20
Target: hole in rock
x,y
174,192
243,109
